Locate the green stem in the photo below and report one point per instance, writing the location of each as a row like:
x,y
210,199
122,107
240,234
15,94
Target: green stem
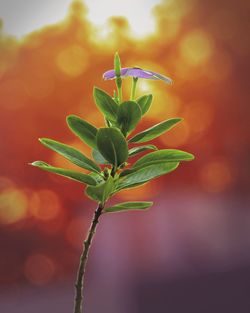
x,y
120,94
134,83
119,88
84,259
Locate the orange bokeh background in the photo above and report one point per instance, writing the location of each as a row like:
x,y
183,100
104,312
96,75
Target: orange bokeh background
x,y
50,73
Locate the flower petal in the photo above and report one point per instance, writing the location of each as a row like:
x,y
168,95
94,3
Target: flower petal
x,y
163,77
137,72
111,73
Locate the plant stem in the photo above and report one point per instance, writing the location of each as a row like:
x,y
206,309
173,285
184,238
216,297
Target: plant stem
x,y
134,83
120,94
119,88
84,258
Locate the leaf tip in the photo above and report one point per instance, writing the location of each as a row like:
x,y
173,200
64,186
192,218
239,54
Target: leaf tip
x,y
38,163
179,119
192,157
42,140
95,90
69,119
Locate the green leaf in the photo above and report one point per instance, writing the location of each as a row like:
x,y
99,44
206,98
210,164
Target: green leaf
x,y
129,115
97,177
161,156
145,103
126,206
155,131
84,130
118,189
80,177
71,154
112,145
101,192
106,104
136,150
145,174
98,157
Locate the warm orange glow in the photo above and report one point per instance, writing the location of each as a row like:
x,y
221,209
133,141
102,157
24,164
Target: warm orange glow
x,y
40,86
44,205
199,116
177,137
72,61
221,66
144,192
75,231
169,16
165,104
196,48
144,86
216,176
13,206
10,91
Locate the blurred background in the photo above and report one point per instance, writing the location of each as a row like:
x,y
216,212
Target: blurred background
x,y
191,251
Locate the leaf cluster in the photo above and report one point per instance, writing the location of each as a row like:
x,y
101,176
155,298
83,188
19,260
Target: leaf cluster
x,y
111,170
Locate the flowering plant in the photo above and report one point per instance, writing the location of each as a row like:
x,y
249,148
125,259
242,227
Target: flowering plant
x,y
111,170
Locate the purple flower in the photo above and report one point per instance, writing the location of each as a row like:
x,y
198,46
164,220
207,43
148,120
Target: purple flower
x,y
138,73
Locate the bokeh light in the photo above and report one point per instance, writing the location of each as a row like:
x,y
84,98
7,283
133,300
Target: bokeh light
x,y
216,176
44,205
196,48
39,269
178,137
13,206
72,61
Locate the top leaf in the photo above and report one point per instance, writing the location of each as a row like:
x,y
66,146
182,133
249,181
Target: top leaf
x,y
112,145
106,104
145,103
98,157
129,115
84,130
155,131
